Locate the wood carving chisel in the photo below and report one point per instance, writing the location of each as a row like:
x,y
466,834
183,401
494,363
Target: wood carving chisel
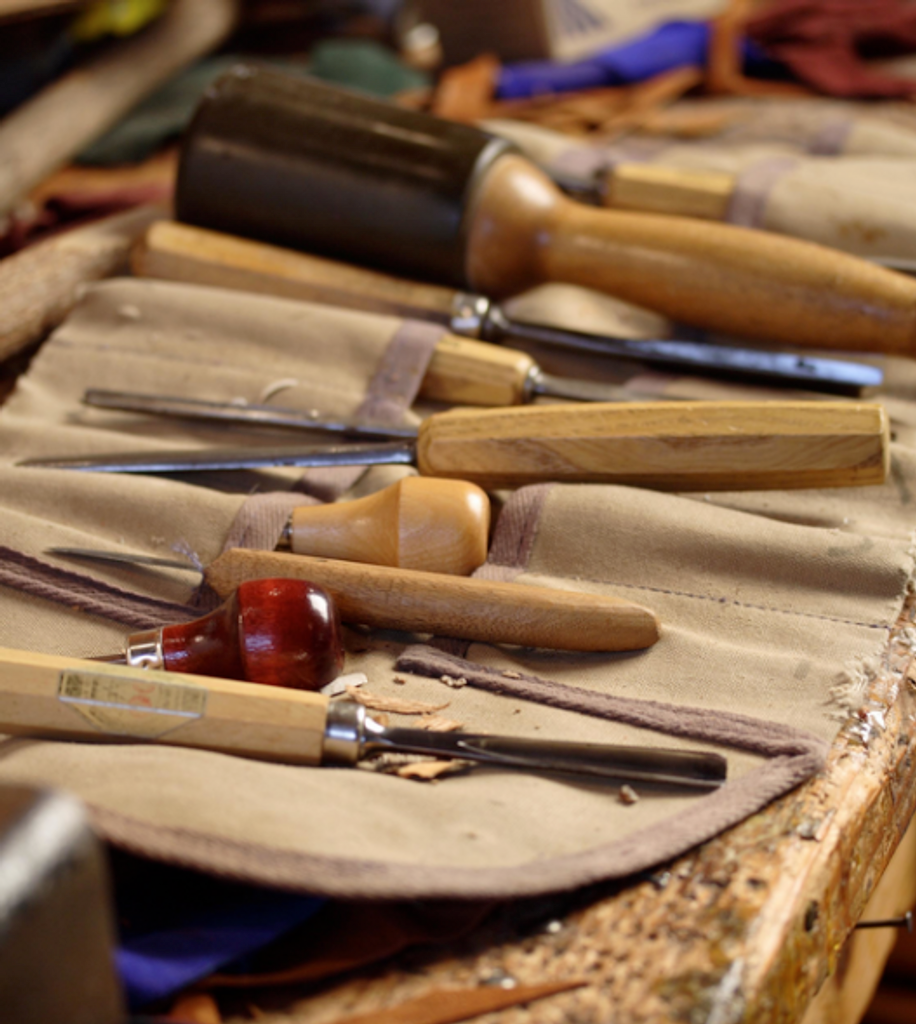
x,y
665,445
63,698
436,525
461,372
297,162
467,608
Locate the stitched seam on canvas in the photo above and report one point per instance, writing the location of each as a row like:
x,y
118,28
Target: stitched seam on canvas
x,y
31,576
726,601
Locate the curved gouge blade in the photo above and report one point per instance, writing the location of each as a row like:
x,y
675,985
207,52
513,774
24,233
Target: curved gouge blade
x,y
357,735
78,699
488,611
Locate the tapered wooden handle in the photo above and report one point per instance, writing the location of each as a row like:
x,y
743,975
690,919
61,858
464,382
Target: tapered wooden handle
x,y
665,445
467,608
740,281
416,523
179,252
681,191
69,698
461,371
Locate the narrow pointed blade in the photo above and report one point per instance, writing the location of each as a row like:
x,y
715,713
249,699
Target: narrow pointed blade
x,y
243,414
196,461
815,373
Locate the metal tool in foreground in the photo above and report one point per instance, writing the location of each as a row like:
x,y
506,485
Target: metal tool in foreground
x,y
57,925
665,445
72,699
180,252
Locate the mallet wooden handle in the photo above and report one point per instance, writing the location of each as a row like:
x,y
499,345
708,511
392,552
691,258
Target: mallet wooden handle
x,y
460,372
524,232
467,608
686,446
416,523
68,698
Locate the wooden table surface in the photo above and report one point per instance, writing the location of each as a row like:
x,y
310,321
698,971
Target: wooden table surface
x,y
756,925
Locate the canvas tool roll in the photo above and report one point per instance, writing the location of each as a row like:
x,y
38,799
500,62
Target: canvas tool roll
x,y
773,606
858,199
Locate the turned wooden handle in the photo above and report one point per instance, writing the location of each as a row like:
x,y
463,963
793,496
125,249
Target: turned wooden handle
x,y
416,523
664,445
69,698
679,191
467,608
461,371
524,232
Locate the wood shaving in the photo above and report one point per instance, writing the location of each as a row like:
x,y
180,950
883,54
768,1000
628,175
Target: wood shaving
x,y
454,681
395,705
436,723
429,771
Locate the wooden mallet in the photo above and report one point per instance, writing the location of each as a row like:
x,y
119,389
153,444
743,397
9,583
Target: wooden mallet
x,y
293,161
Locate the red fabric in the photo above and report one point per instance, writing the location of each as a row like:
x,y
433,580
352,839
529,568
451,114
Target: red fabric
x,y
67,210
825,42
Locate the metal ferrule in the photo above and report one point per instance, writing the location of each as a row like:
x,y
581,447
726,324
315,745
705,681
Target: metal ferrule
x,y
344,733
469,314
144,650
285,540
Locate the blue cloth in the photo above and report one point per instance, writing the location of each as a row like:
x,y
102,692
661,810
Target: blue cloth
x,y
161,963
673,45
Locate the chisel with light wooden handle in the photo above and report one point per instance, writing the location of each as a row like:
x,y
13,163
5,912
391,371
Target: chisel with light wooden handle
x,y
664,445
386,597
463,371
52,697
297,162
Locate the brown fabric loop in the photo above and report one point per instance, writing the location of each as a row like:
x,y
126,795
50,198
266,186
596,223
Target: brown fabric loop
x,y
768,739
51,583
752,190
261,520
390,393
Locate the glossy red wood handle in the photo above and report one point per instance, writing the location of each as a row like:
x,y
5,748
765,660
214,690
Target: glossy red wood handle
x,y
282,632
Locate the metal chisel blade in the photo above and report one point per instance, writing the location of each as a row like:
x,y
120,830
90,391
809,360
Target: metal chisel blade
x,y
749,364
172,461
694,771
353,735
239,413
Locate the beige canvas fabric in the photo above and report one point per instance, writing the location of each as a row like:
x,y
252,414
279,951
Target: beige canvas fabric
x,y
859,200
768,603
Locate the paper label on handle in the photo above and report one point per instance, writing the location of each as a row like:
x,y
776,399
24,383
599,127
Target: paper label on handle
x,y
140,705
